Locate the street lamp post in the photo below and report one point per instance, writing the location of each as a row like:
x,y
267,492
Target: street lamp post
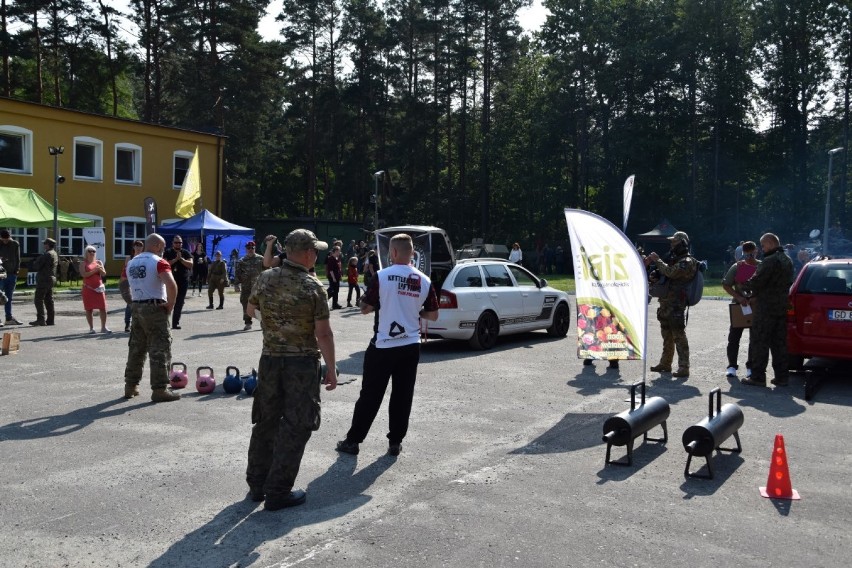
x,y
56,151
376,177
831,154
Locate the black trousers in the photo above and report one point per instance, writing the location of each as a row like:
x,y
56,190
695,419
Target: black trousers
x,y
396,364
734,336
182,286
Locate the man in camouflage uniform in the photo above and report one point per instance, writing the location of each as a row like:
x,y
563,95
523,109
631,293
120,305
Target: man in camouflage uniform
x,y
248,269
679,268
286,410
217,279
45,268
770,286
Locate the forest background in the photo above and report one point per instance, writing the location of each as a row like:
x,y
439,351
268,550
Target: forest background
x,y
723,109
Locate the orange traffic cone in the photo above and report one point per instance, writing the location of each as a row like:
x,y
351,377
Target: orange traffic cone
x,y
778,486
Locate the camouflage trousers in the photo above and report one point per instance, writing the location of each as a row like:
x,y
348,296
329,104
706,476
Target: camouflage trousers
x,y
286,411
149,336
218,285
245,292
768,334
672,320
43,300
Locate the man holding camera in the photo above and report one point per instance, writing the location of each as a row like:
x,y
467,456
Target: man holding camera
x,y
679,268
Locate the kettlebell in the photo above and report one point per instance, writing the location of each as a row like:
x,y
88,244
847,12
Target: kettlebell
x,y
232,383
250,382
204,382
177,376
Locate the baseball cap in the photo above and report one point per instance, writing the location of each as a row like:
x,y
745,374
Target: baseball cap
x,y
303,239
250,244
49,241
678,237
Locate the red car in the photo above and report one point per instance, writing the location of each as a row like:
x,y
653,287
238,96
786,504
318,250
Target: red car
x,y
819,318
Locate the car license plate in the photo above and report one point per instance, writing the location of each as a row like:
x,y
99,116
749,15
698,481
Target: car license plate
x,y
840,315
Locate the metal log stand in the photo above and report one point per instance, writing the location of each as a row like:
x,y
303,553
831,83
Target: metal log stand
x,y
622,429
709,434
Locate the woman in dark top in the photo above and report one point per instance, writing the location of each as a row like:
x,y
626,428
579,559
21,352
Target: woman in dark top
x,y
200,264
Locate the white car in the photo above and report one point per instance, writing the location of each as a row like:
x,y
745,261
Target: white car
x,y
483,298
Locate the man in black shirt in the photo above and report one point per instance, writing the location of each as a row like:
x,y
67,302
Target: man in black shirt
x,y
181,262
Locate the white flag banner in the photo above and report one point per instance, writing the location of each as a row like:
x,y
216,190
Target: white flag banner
x,y
612,289
95,237
628,198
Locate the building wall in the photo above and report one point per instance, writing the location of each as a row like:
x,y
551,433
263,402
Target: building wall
x,y
95,149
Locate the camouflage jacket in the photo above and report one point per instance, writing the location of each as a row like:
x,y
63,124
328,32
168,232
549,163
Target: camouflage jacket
x,y
679,273
290,301
248,269
45,267
218,271
771,284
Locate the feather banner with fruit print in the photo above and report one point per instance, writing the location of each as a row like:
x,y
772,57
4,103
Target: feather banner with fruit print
x,y
612,289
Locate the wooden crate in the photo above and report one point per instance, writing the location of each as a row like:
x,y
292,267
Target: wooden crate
x,y
11,342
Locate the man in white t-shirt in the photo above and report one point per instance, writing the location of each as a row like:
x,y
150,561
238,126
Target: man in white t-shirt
x,y
399,295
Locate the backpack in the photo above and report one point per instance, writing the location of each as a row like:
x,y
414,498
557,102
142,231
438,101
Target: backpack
x,y
695,288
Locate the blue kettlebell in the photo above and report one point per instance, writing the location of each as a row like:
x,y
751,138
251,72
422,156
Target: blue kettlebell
x,y
250,382
232,383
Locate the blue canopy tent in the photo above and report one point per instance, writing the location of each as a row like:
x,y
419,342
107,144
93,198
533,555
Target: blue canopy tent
x,y
214,232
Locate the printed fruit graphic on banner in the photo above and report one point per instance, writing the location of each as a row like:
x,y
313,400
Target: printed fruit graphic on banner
x,y
601,332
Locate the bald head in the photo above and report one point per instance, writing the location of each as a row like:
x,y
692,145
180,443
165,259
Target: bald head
x,y
771,240
154,242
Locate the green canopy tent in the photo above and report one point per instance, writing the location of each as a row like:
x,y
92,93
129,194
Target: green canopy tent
x,y
25,208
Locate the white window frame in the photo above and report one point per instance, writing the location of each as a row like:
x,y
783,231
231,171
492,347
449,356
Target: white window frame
x,y
98,166
117,249
27,161
68,238
175,156
26,236
137,163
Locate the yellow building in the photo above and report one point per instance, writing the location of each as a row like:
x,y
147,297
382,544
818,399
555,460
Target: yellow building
x,y
110,165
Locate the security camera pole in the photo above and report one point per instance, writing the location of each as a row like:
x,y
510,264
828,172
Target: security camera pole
x,y
56,151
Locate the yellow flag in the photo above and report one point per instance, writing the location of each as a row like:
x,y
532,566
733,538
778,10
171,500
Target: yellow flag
x,y
190,190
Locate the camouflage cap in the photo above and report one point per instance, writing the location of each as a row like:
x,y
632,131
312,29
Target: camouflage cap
x,y
679,237
303,239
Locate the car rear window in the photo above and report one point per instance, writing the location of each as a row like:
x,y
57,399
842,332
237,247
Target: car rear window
x,y
827,280
468,277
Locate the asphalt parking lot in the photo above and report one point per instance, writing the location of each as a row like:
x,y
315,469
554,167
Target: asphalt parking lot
x,y
503,465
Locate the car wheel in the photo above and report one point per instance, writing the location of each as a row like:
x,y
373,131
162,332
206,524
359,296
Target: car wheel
x,y
795,363
486,331
561,321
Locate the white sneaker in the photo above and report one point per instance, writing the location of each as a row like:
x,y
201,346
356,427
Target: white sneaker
x,y
748,373
731,372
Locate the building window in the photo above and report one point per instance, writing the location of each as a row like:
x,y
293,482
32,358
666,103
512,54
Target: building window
x,y
88,158
182,160
16,149
29,239
126,230
71,241
128,164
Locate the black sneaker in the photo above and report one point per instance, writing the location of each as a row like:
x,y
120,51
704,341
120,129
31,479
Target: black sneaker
x,y
394,449
256,494
780,381
347,447
613,364
587,362
295,497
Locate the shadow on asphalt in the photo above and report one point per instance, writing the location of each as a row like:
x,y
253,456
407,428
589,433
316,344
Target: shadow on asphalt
x,y
60,424
643,454
574,432
233,536
724,465
82,335
774,401
449,349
